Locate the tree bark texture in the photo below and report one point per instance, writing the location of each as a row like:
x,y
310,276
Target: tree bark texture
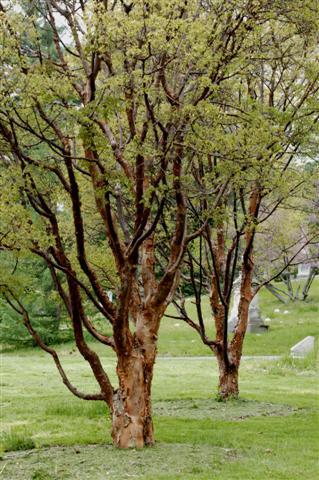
x,y
132,425
228,379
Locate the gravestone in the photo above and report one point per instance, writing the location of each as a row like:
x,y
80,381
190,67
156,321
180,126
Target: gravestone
x,y
302,348
110,295
255,322
232,319
303,270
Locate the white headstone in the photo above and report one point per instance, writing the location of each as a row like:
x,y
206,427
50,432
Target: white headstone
x,y
302,348
303,270
110,295
232,319
255,323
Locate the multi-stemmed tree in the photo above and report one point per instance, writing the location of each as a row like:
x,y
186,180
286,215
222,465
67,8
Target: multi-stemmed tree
x,y
96,139
102,133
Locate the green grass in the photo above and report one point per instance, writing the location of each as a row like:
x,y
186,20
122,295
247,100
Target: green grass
x,y
13,441
271,432
285,329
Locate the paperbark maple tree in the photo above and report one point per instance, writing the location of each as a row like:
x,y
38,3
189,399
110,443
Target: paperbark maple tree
x,y
268,119
101,131
96,125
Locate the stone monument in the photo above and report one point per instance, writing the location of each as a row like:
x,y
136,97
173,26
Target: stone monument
x,y
255,322
302,348
303,270
232,318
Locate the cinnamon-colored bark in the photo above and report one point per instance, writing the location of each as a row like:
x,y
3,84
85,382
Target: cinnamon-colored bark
x,y
228,380
229,353
132,424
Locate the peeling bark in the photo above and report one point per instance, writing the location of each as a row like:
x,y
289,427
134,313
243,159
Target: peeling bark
x,y
132,425
228,380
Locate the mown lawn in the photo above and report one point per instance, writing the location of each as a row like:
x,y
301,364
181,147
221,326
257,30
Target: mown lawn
x,y
291,324
271,432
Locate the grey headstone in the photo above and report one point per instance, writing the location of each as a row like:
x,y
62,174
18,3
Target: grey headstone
x,y
302,348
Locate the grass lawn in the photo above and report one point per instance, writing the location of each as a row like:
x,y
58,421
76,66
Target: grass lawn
x,y
291,324
287,327
270,433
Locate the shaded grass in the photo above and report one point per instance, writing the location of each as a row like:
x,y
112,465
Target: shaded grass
x,y
102,462
234,410
41,474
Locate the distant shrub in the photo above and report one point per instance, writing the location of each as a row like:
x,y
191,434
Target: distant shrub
x,y
13,332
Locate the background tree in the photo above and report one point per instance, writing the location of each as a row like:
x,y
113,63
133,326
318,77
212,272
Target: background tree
x,y
31,277
286,241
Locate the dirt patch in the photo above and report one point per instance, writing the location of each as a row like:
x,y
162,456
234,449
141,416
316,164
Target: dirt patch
x,y
211,408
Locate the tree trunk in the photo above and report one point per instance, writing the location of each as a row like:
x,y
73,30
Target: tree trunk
x,y
132,425
228,379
